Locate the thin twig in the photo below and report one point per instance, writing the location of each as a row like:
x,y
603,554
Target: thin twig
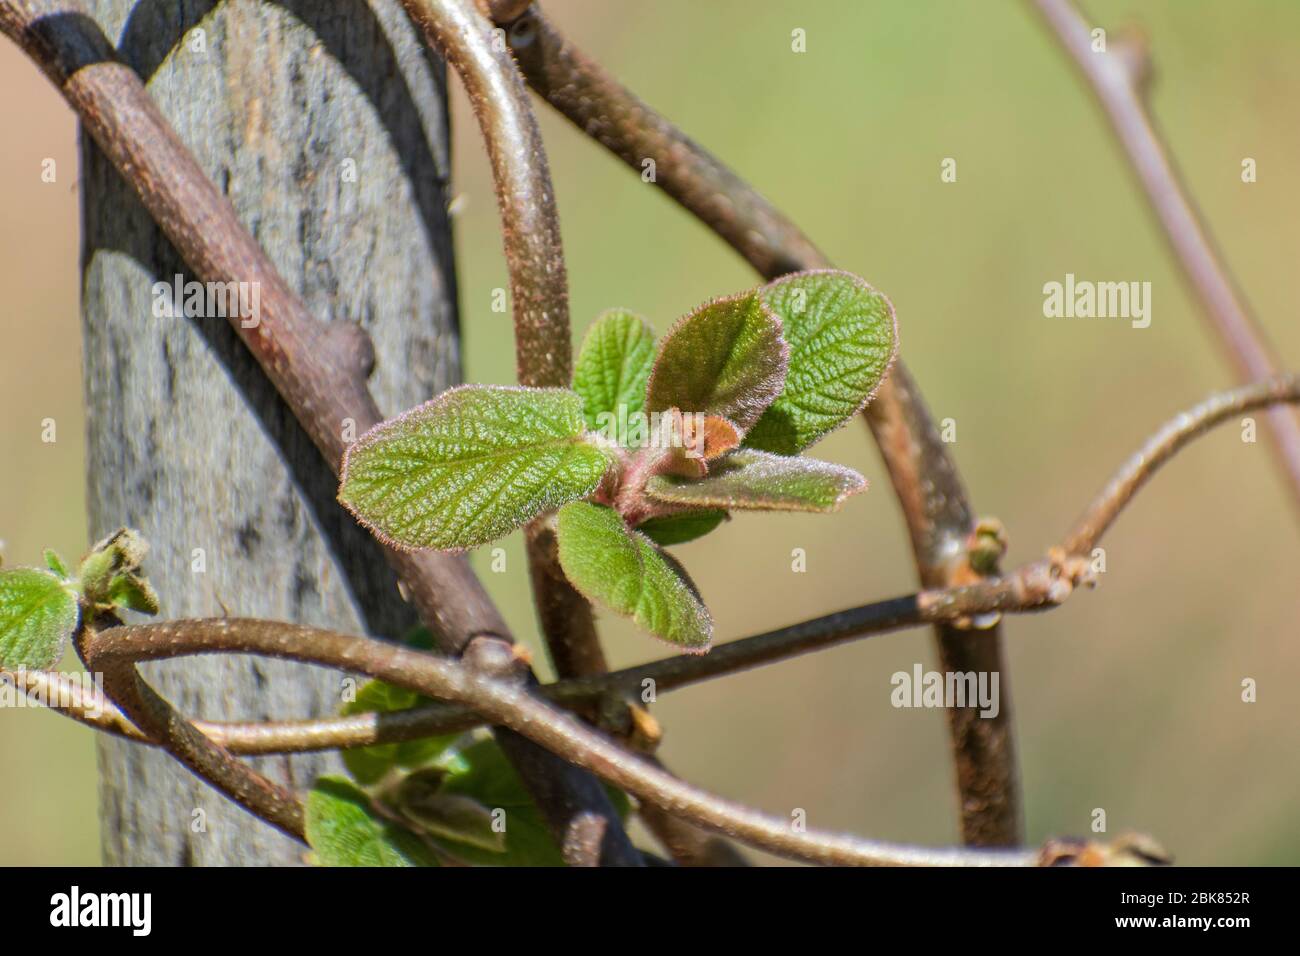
x,y
319,370
62,693
933,499
1035,586
1164,444
1116,77
156,718
515,707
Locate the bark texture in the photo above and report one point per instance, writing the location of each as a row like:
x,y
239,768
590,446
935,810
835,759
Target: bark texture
x,y
325,124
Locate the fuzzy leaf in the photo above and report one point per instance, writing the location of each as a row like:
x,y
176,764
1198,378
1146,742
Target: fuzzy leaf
x,y
55,563
472,465
122,552
369,764
130,590
757,480
668,530
726,358
454,807
487,778
343,830
38,613
613,367
452,816
843,338
628,573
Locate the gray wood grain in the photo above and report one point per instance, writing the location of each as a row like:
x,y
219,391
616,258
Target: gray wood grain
x,y
186,441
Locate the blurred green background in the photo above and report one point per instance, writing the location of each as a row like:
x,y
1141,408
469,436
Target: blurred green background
x,y
1126,699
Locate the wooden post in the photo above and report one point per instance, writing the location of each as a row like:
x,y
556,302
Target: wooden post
x,y
326,125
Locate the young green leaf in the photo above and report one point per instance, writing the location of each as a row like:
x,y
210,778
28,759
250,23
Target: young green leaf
x,y
422,799
487,778
477,810
344,830
757,480
369,764
726,358
628,573
55,563
130,590
667,530
122,552
843,338
613,367
472,465
38,613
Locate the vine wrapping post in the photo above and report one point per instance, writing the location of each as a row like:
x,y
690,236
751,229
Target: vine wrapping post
x,y
319,371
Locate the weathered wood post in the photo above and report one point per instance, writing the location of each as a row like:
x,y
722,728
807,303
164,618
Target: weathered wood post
x,y
326,125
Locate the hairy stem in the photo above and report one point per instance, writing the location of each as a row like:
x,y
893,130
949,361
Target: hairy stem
x,y
934,501
516,707
1036,586
530,227
157,719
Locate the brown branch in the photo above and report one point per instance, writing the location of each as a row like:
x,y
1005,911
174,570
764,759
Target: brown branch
x,y
156,718
1036,586
934,502
516,707
687,844
1165,443
530,224
530,227
319,370
534,254
61,693
1117,78
1033,587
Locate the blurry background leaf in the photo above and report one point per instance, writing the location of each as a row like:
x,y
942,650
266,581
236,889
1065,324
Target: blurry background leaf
x,y
488,779
369,764
476,809
452,816
343,830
